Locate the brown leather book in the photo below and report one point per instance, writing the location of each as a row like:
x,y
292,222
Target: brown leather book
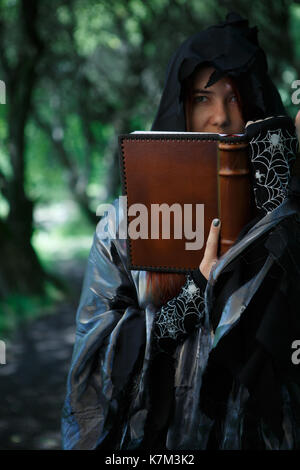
x,y
176,184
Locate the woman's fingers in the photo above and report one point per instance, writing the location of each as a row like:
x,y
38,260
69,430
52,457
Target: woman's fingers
x,y
211,249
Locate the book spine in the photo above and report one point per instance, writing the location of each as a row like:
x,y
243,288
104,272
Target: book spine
x,y
235,206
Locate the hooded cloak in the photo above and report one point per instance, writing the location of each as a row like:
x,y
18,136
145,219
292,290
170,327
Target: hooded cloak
x,y
232,48
230,383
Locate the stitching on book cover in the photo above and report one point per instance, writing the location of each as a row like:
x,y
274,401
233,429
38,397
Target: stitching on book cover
x,y
178,138
129,247
158,268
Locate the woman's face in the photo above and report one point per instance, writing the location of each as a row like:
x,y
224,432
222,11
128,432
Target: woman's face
x,y
214,109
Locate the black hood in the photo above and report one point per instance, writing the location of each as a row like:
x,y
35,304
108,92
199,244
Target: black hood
x,y
232,48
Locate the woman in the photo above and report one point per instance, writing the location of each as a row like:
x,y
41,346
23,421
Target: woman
x,y
166,361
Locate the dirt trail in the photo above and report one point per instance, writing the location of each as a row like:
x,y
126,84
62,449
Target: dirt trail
x,y
33,380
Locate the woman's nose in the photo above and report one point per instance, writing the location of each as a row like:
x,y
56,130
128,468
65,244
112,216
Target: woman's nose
x,y
220,116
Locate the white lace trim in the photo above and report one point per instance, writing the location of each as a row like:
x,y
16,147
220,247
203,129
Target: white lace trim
x,y
272,156
170,319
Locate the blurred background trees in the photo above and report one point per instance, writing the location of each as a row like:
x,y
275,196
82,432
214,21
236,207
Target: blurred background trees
x,y
77,74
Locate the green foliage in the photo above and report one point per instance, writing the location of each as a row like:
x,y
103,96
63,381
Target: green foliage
x,y
42,169
295,28
17,309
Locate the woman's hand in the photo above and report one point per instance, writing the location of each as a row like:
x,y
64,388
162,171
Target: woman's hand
x,y
211,250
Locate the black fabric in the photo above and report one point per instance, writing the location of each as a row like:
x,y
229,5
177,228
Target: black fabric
x,y
162,371
180,316
272,150
199,279
257,351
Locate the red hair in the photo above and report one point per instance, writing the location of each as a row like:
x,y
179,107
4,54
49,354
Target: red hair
x,y
164,286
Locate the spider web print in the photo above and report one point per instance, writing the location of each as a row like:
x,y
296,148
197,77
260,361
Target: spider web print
x,y
272,157
170,319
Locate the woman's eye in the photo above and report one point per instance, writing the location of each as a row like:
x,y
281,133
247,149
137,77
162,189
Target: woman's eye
x,y
200,99
233,98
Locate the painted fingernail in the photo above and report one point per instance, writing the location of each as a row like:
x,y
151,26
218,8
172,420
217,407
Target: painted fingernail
x,y
216,222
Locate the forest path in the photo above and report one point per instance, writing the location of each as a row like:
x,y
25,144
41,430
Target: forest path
x,y
33,380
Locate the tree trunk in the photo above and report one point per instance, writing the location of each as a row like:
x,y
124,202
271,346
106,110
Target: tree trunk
x,y
20,269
